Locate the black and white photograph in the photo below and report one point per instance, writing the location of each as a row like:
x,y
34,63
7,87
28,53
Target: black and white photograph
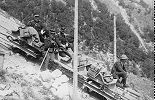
x,y
76,49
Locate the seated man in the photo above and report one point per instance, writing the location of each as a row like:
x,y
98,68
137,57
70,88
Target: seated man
x,y
119,70
36,23
30,34
62,44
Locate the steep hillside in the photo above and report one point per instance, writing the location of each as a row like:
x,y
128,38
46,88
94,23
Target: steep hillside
x,y
135,34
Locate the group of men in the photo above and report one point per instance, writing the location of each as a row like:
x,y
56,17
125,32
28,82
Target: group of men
x,y
53,40
35,32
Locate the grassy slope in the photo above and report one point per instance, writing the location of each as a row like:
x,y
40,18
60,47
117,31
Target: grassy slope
x,y
142,85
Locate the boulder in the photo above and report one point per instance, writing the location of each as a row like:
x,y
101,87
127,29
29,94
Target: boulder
x,y
53,90
56,84
46,76
63,90
37,82
5,92
58,81
62,79
56,73
48,84
2,86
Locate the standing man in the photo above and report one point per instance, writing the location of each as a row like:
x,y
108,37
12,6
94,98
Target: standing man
x,y
119,70
50,48
62,36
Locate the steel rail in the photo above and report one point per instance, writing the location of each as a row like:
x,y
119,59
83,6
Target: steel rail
x,y
82,80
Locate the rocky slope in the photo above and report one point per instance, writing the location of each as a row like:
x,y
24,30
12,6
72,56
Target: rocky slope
x,y
19,75
22,80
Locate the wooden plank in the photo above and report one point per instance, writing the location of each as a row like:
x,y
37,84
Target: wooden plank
x,y
1,59
75,64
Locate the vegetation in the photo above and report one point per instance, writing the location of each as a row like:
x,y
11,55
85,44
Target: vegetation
x,y
95,25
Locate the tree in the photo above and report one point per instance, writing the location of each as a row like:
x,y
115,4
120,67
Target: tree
x,y
148,68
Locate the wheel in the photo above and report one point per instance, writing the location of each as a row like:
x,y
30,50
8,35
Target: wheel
x,y
10,38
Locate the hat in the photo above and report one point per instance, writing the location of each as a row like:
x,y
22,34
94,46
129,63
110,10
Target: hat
x,y
22,26
52,30
124,57
36,15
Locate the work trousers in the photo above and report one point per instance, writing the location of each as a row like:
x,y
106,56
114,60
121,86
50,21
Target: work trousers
x,y
122,75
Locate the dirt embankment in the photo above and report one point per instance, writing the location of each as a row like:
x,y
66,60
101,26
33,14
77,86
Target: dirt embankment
x,y
142,85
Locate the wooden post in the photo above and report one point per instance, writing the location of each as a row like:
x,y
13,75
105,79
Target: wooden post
x,y
75,64
115,48
22,17
91,31
2,54
41,12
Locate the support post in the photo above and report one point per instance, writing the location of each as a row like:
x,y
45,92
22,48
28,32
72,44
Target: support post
x,y
41,12
2,54
115,47
75,63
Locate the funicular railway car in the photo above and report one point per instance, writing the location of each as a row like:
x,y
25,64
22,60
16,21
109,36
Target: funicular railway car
x,y
94,79
22,45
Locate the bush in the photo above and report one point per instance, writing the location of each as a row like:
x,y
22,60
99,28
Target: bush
x,y
148,68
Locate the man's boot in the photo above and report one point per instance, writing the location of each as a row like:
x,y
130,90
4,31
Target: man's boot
x,y
124,83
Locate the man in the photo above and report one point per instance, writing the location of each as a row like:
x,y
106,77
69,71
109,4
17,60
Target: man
x,y
62,36
36,23
50,47
119,70
63,44
65,40
49,39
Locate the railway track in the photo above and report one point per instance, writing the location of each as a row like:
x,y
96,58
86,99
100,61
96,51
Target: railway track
x,y
109,94
67,70
82,80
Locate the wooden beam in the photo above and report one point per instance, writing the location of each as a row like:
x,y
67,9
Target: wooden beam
x,y
75,63
115,48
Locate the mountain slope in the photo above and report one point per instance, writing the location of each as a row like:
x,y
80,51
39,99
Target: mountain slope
x,y
96,25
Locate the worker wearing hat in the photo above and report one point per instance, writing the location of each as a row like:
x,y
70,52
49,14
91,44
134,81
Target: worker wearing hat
x,y
36,23
36,15
119,70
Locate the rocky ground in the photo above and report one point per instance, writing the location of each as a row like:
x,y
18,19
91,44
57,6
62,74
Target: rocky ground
x,y
22,80
142,85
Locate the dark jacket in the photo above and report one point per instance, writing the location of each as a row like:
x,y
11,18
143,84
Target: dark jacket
x,y
118,68
36,24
